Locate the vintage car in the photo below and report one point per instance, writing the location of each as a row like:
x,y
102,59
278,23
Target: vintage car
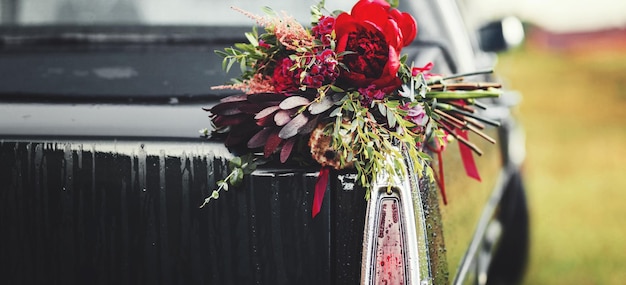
x,y
103,170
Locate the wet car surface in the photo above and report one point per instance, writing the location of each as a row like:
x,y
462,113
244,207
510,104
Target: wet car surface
x,y
102,169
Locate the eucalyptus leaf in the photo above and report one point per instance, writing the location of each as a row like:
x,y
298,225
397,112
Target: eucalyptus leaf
x,y
266,112
336,112
293,102
321,106
309,126
259,139
235,162
391,119
382,109
291,129
249,168
237,177
282,117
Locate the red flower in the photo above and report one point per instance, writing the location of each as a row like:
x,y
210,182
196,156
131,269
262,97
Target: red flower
x,y
375,33
322,70
285,79
323,29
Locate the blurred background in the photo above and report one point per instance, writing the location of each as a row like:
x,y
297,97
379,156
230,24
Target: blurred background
x,y
571,71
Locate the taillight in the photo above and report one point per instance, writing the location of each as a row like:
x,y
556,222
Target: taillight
x,y
391,252
389,244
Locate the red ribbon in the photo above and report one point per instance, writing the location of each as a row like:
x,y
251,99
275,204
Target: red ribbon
x,y
417,70
467,156
466,153
320,189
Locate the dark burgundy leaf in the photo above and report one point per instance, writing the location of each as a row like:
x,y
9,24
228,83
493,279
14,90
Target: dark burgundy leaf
x,y
253,108
293,102
235,98
266,112
264,97
235,139
267,121
222,121
259,139
241,134
291,128
282,117
273,141
229,108
309,126
322,106
285,151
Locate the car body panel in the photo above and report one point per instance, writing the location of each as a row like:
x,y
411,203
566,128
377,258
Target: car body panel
x,y
127,212
102,168
460,215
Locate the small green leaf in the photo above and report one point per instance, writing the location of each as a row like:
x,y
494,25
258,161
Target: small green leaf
x,y
242,65
382,109
336,89
269,11
231,61
235,162
336,112
252,39
391,119
237,176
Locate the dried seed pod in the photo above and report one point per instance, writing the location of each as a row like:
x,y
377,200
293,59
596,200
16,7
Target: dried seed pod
x,y
322,151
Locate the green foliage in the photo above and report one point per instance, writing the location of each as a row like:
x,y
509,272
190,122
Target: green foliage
x,y
239,166
372,146
376,136
394,3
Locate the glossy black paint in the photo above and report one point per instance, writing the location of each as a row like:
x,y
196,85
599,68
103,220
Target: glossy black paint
x,y
101,179
75,215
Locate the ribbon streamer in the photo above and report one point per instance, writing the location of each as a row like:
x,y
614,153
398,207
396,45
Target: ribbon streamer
x,y
320,189
467,156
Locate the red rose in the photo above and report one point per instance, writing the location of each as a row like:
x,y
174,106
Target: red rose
x,y
376,34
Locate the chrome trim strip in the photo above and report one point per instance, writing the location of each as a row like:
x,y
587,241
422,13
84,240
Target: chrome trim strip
x,y
413,240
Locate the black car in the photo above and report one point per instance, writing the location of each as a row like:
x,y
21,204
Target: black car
x,y
103,168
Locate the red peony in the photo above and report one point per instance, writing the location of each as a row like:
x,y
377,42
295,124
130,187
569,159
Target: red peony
x,y
375,34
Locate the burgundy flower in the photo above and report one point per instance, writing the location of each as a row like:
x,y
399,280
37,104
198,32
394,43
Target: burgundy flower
x,y
370,93
374,34
264,45
285,79
322,71
324,29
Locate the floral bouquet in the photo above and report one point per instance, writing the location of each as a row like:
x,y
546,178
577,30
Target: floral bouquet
x,y
341,95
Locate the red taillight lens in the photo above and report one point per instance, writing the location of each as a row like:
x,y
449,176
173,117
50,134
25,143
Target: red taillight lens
x,y
389,244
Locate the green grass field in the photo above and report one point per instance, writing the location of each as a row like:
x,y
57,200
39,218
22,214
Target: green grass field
x,y
574,113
